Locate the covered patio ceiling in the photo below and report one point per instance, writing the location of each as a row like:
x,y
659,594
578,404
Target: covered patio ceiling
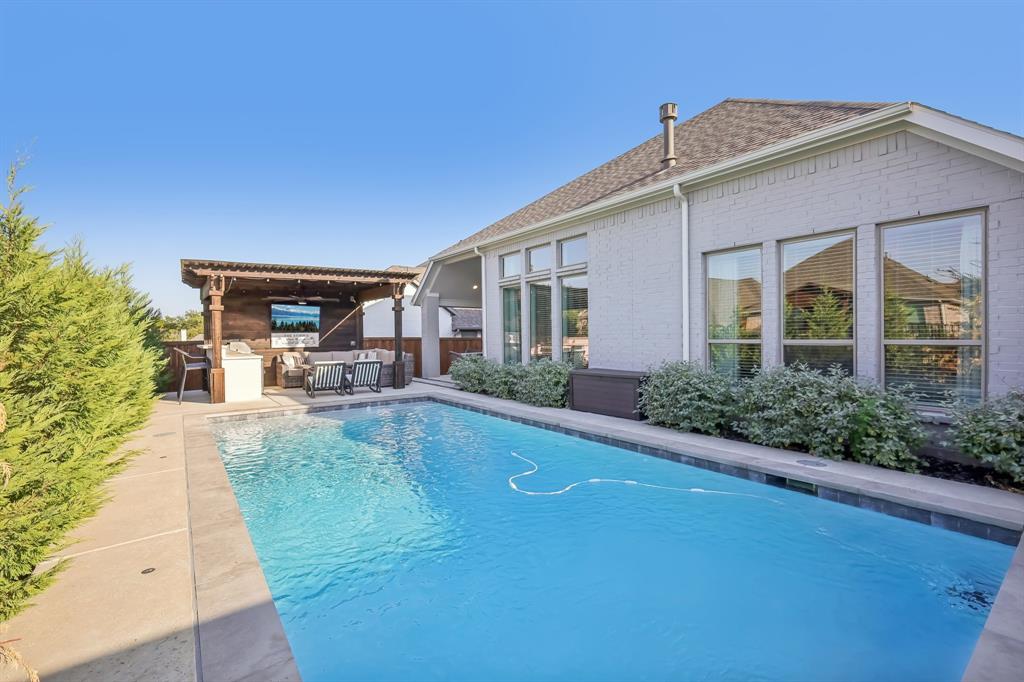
x,y
457,283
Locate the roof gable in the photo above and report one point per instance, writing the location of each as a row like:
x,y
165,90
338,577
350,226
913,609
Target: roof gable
x,y
727,130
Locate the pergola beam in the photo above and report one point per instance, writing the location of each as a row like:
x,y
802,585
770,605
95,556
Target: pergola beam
x,y
305,277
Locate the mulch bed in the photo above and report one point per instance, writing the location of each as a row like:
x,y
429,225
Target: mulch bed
x,y
967,473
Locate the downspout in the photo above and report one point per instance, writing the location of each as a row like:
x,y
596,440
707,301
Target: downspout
x,y
685,254
483,299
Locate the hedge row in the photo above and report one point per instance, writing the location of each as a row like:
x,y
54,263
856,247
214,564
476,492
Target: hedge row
x,y
829,414
993,432
78,362
544,383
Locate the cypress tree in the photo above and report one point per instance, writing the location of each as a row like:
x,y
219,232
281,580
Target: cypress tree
x,y
78,363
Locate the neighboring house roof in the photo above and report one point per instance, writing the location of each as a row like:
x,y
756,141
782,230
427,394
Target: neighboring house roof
x,y
831,268
911,285
727,130
466,319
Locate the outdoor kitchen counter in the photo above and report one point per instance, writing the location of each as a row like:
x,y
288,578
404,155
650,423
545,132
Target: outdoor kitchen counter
x,y
243,375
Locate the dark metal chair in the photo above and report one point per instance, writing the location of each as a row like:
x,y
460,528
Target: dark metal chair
x,y
324,376
190,363
365,373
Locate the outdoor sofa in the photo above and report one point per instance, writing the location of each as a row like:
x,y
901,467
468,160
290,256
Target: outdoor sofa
x,y
289,364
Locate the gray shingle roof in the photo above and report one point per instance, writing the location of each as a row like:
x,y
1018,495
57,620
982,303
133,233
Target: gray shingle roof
x,y
466,319
727,130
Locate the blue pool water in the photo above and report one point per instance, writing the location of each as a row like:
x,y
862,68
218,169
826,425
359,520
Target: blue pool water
x,y
396,549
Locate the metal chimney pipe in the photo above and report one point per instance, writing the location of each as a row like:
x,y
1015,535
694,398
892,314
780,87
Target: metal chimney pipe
x,y
668,113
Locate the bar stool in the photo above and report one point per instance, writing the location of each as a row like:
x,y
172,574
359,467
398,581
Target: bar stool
x,y
189,363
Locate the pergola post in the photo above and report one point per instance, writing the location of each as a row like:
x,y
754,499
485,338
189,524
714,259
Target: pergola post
x,y
399,366
215,292
430,326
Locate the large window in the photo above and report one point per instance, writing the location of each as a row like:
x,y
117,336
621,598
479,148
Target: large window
x,y
734,311
572,251
511,325
575,344
511,265
818,285
538,258
932,307
540,320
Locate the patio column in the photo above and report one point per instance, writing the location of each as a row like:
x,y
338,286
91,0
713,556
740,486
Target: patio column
x,y
399,366
430,336
215,292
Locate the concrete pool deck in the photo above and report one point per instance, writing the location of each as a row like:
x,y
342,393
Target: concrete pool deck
x,y
205,612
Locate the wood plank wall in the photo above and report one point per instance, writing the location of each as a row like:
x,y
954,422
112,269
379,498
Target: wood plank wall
x,y
247,318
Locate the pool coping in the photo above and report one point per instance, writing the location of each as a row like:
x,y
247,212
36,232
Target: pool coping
x,y
232,596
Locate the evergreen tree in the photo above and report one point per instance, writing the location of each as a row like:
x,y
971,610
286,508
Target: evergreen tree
x,y
828,318
79,357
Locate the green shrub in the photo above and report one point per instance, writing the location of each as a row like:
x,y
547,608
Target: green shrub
x,y
829,414
687,397
78,361
993,432
471,373
505,381
543,383
546,384
885,430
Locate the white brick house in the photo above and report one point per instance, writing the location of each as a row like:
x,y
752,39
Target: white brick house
x,y
790,210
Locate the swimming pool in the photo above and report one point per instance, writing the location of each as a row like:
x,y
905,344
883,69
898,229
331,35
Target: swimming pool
x,y
407,542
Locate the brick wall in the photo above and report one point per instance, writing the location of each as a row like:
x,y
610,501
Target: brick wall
x,y
896,177
634,255
634,279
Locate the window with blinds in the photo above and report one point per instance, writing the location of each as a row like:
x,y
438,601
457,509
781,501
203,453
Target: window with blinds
x,y
734,311
511,325
575,342
540,320
818,300
932,281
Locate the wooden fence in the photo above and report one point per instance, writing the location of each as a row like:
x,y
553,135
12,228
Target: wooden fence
x,y
415,346
449,346
175,366
411,345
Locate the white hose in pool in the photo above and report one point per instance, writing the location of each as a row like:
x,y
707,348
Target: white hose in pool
x,y
535,469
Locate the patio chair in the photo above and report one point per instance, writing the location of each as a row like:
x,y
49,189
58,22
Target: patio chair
x,y
365,374
190,363
325,376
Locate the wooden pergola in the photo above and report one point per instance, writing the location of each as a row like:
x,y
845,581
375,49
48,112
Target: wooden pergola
x,y
237,295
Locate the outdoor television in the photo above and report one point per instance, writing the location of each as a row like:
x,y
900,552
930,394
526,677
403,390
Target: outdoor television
x,y
294,325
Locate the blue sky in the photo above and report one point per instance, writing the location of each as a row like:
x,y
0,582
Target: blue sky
x,y
367,135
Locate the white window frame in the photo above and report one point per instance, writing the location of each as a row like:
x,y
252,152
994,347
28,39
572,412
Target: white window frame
x,y
578,264
502,275
530,270
982,213
504,331
783,342
759,247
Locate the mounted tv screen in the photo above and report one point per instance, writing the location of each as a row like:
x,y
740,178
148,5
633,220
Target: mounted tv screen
x,y
294,326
